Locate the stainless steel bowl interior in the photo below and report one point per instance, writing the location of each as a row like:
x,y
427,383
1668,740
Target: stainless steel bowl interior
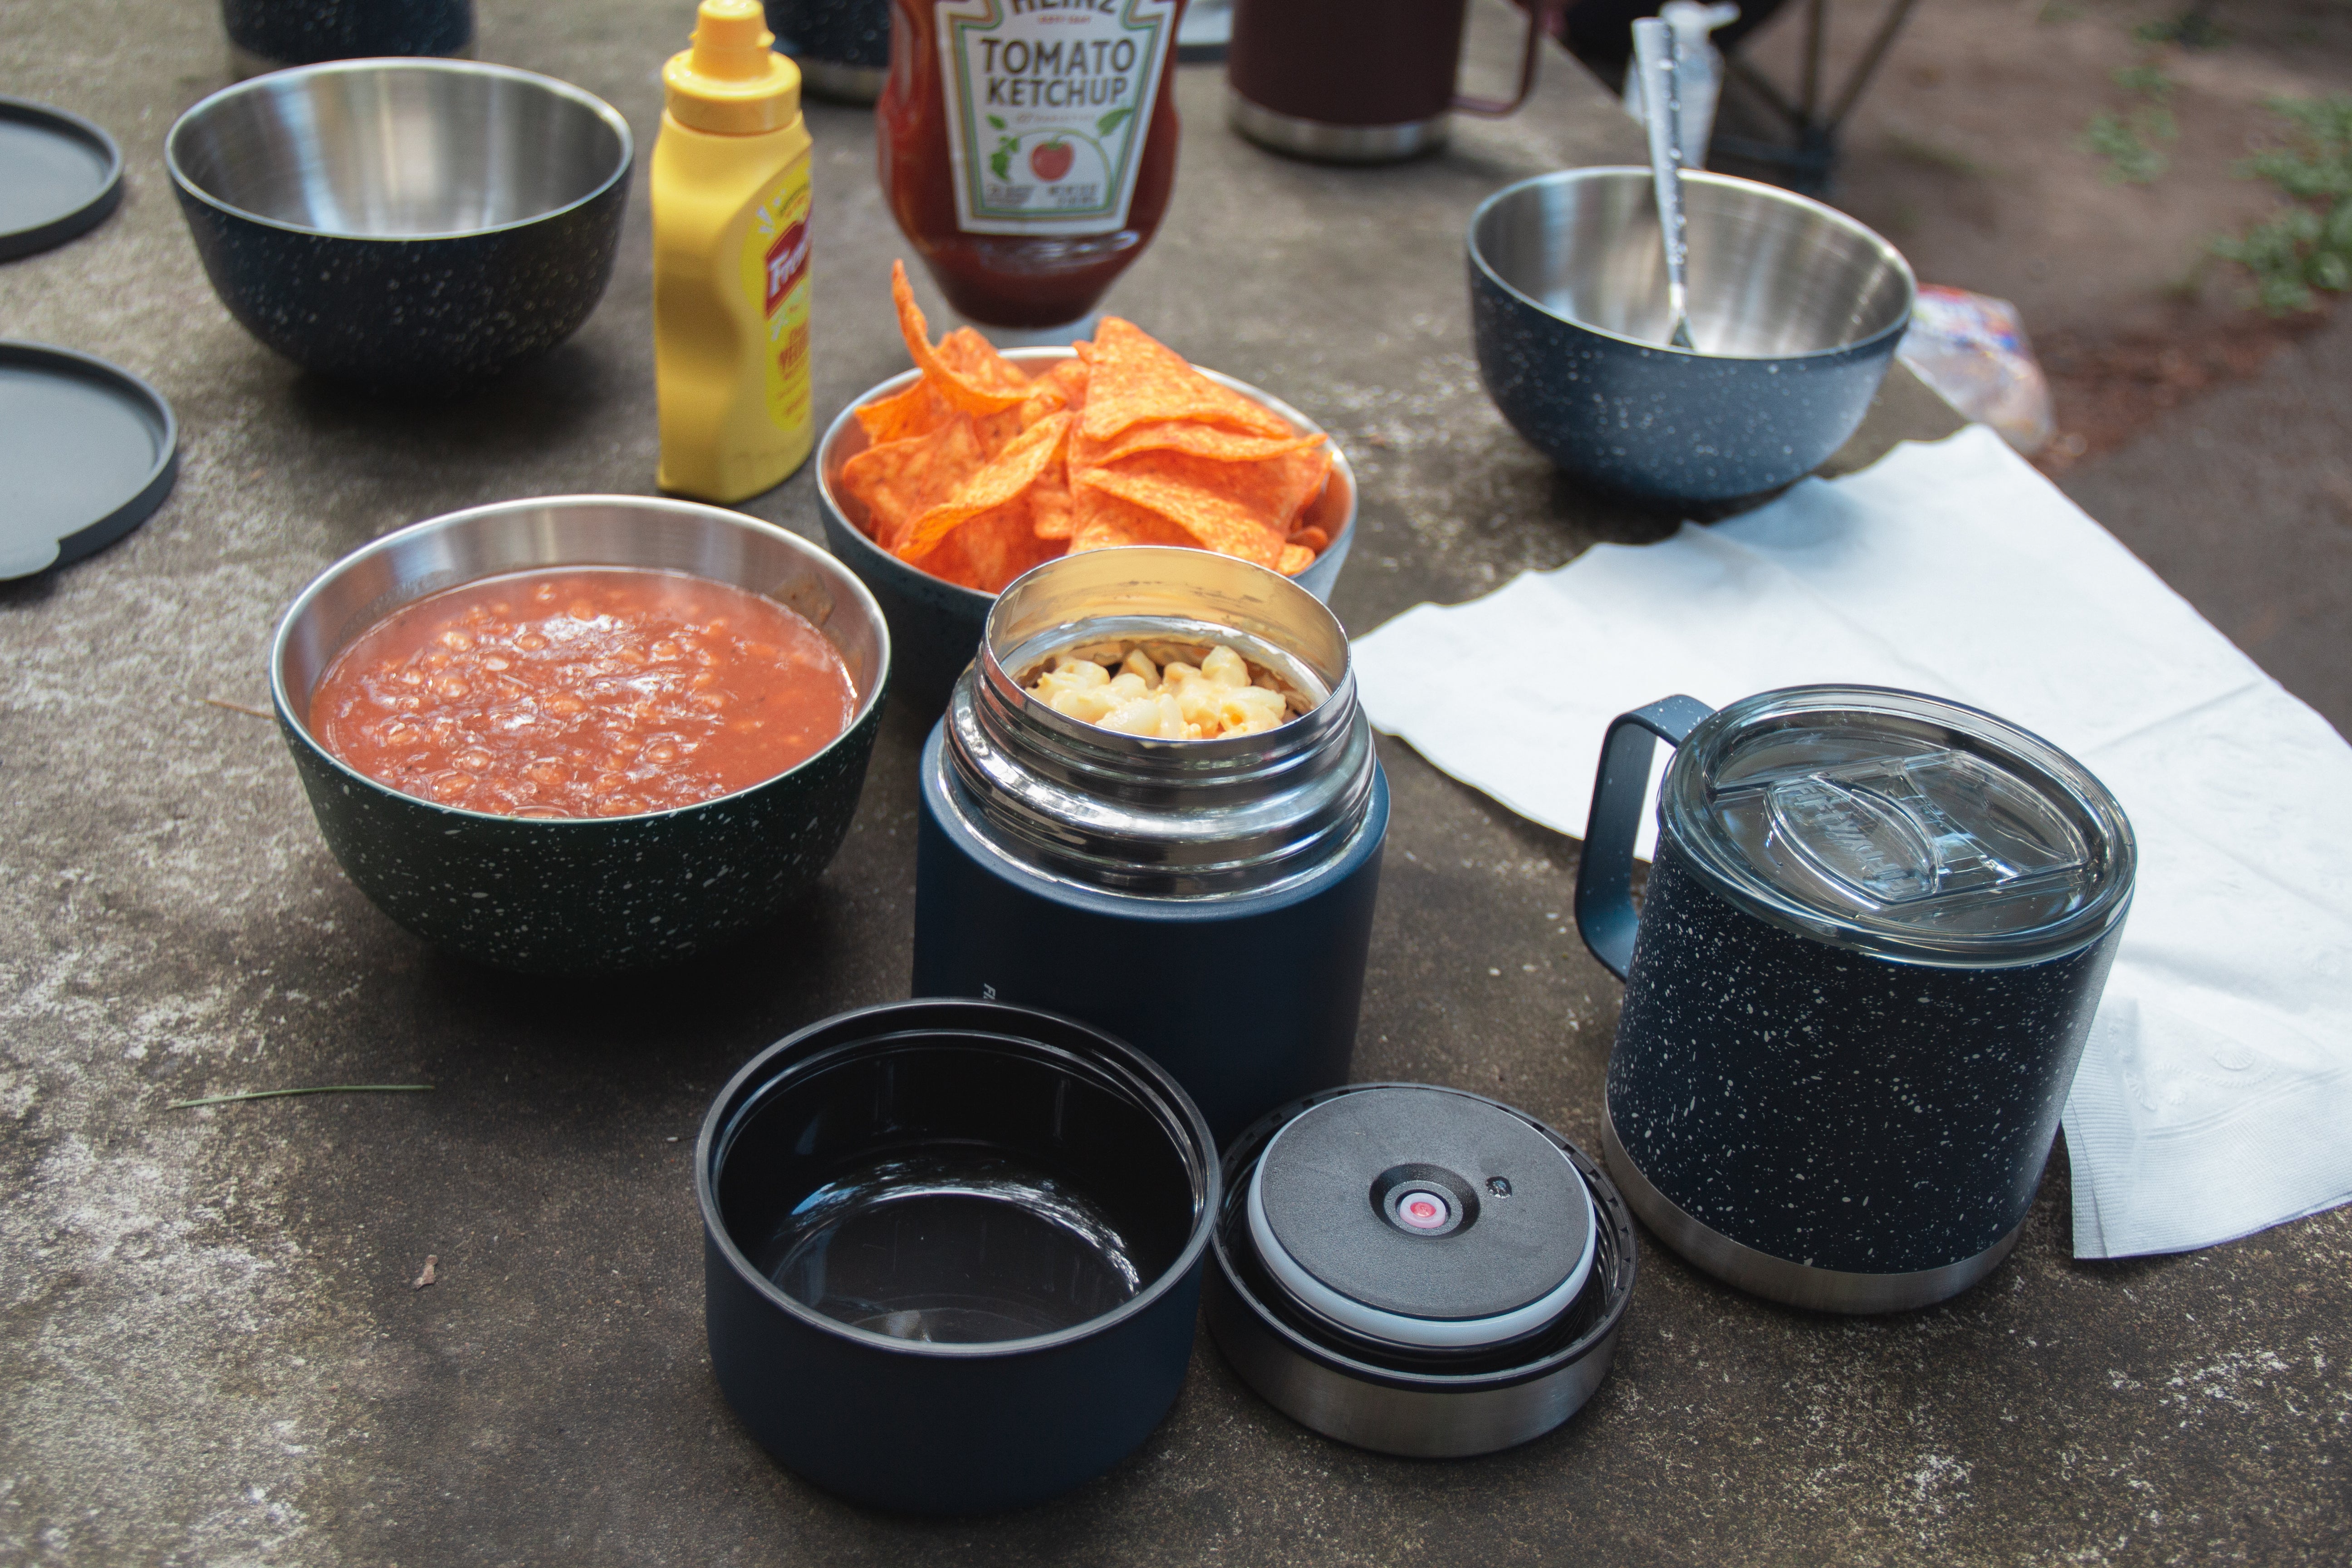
x,y
1334,512
1772,274
573,531
399,149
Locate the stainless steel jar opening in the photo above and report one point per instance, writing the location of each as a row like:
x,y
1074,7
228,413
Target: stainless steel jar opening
x,y
1177,819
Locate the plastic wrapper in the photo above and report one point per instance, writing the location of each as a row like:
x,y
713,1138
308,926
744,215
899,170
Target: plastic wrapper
x,y
1972,349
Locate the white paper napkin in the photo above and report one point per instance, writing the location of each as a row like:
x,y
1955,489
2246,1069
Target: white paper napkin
x,y
2215,1096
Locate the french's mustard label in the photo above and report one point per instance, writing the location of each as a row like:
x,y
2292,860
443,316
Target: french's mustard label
x,y
776,276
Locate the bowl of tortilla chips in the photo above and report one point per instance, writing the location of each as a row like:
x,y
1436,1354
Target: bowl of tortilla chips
x,y
940,486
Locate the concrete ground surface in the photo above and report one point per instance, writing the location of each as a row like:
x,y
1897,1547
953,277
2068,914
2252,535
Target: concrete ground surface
x,y
2243,500
213,1348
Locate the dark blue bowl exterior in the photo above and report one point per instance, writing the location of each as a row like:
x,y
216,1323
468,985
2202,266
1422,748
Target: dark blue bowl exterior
x,y
412,312
935,1434
935,626
298,32
846,32
577,895
1660,425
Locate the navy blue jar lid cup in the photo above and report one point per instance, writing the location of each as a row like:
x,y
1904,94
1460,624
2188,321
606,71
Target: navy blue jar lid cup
x,y
952,1251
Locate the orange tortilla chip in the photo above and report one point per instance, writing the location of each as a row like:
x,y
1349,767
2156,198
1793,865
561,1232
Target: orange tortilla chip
x,y
1051,509
1209,518
1103,522
903,416
1064,386
1132,377
1296,481
998,431
1006,476
1314,538
975,359
1200,441
1070,376
1273,492
1295,558
971,395
899,482
988,551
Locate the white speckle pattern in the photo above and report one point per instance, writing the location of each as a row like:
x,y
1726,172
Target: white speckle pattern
x,y
1656,423
1833,1108
558,897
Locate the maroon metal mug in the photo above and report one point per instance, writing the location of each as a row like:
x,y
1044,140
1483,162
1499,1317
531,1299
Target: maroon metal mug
x,y
1359,81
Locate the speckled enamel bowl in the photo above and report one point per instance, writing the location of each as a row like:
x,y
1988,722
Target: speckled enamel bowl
x,y
579,895
1798,309
936,624
405,222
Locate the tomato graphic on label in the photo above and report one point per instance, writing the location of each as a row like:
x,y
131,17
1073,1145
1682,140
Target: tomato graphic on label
x,y
1049,161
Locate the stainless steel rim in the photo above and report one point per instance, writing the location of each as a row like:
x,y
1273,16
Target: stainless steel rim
x,y
603,111
1776,1278
1418,1423
1189,818
1335,144
846,84
1694,177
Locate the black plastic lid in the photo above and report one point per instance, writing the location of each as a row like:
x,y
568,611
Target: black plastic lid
x,y
88,452
1424,1216
60,177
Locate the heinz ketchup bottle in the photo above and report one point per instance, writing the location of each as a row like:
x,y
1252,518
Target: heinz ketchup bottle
x,y
1028,147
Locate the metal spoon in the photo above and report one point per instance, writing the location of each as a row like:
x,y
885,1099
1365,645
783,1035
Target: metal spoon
x,y
1656,58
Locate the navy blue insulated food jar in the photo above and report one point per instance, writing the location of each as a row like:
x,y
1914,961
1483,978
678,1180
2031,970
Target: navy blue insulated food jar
x,y
1875,932
1208,900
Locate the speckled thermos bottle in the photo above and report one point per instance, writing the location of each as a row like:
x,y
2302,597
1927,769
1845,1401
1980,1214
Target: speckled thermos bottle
x,y
1876,931
843,46
1208,901
270,35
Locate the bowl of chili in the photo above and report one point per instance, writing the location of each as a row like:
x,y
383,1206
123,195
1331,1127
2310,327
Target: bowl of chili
x,y
582,734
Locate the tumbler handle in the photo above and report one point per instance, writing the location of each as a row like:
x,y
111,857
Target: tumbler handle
x,y
1604,872
1539,15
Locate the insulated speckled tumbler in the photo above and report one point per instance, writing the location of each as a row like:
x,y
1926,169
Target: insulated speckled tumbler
x,y
1875,932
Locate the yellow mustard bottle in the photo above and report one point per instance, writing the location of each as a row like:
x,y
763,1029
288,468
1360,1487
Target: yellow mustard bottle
x,y
731,198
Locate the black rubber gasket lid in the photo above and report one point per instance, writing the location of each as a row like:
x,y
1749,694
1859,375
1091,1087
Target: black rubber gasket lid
x,y
88,452
60,177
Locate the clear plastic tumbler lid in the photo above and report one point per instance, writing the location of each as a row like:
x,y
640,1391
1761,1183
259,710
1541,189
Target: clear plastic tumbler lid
x,y
1900,825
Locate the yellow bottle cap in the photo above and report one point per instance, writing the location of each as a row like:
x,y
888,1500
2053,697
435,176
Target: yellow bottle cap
x,y
731,81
